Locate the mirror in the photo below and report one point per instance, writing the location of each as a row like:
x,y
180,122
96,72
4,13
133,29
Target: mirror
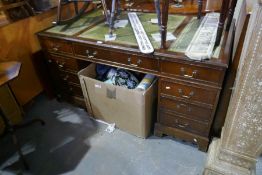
x,y
14,10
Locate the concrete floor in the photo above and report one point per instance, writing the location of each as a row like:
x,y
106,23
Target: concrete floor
x,y
73,144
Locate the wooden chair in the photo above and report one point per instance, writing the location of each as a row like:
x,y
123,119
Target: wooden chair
x,y
8,72
224,12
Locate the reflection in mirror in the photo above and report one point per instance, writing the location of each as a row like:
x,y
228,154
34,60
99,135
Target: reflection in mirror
x,y
14,10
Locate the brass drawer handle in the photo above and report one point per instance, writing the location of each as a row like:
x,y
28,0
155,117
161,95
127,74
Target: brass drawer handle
x,y
181,125
183,73
129,60
95,53
91,55
61,65
66,78
168,87
55,49
178,106
190,95
139,61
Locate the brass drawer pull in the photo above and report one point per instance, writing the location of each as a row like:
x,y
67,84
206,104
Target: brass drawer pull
x,y
55,47
66,78
168,87
95,53
183,73
91,55
129,60
181,125
178,106
139,61
61,65
190,95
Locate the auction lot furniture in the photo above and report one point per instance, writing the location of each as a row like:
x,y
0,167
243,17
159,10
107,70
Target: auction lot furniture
x,y
8,72
188,90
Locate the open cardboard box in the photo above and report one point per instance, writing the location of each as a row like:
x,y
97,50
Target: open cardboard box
x,y
131,110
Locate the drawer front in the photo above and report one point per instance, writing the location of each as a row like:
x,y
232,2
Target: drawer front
x,y
116,57
192,111
56,45
135,61
69,77
90,52
192,72
176,121
63,63
190,92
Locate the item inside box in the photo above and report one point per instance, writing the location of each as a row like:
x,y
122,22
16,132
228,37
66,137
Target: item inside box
x,y
123,78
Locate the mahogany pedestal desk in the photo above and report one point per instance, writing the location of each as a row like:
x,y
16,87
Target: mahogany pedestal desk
x,y
188,90
8,72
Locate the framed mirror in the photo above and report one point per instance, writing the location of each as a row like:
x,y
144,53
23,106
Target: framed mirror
x,y
14,10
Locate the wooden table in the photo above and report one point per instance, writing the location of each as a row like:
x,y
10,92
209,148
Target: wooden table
x,y
188,90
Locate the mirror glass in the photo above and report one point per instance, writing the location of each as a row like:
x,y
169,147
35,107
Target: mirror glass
x,y
14,10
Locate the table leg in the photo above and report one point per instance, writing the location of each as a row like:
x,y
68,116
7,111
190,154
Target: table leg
x,y
200,8
164,20
223,15
231,13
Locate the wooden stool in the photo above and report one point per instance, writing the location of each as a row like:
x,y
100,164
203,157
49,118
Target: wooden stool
x,y
8,72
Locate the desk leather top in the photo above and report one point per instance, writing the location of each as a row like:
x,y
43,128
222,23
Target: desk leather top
x,y
90,28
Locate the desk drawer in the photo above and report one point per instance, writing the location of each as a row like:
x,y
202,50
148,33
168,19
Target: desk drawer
x,y
64,63
57,46
190,71
192,111
176,121
91,52
189,92
148,63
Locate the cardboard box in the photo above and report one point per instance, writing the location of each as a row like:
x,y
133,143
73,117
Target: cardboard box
x,y
132,110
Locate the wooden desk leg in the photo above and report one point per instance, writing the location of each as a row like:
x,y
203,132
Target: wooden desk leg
x,y
231,13
200,8
223,15
164,16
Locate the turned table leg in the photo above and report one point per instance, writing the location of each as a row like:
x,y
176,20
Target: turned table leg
x,y
200,7
223,14
231,13
164,19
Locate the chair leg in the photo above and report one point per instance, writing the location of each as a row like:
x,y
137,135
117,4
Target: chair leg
x,y
18,148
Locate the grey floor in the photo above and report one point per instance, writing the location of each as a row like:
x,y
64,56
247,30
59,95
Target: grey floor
x,y
73,144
